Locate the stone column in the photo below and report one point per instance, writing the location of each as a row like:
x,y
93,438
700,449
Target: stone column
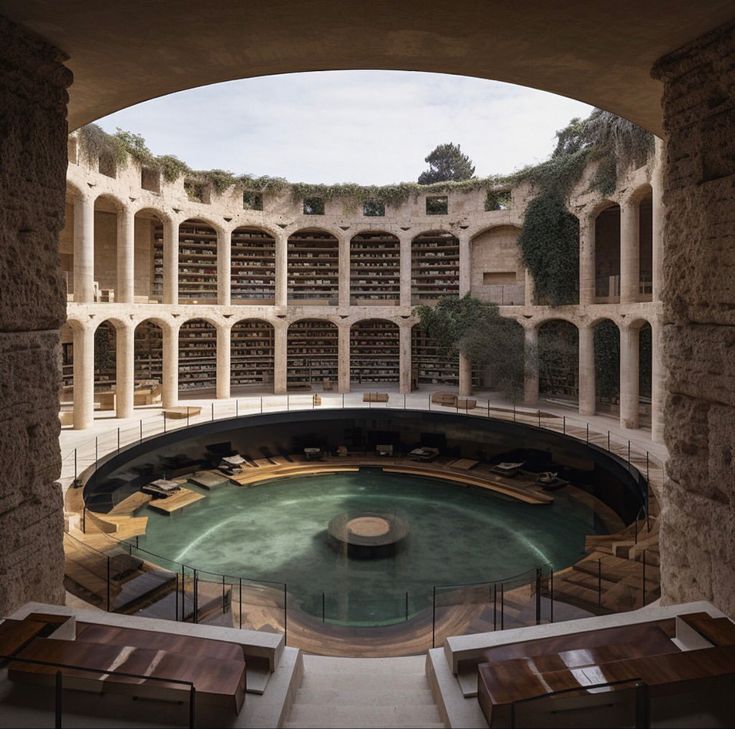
x,y
629,379
587,390
125,370
405,271
658,212
344,271
171,262
343,366
224,333
224,267
587,260
83,342
531,369
281,270
465,376
84,249
170,389
528,290
280,359
629,251
658,384
404,358
465,264
125,256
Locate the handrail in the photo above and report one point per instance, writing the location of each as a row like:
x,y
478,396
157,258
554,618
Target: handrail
x,y
108,671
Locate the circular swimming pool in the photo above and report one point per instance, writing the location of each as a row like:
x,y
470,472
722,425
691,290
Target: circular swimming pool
x,y
456,535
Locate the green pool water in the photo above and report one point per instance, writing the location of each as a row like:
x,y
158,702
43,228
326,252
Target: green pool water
x,y
277,531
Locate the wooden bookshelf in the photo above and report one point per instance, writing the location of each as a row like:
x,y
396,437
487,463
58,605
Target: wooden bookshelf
x,y
428,365
105,356
197,356
375,269
253,267
434,267
148,357
374,352
313,268
313,353
252,356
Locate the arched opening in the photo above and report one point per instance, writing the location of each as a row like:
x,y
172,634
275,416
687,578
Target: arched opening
x,y
645,249
197,261
106,211
434,267
105,366
253,277
607,255
197,359
66,391
148,363
497,357
606,338
148,270
313,354
375,269
645,375
497,274
313,268
429,364
558,360
251,356
66,241
375,352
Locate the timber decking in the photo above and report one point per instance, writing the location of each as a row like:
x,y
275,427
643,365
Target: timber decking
x,y
177,501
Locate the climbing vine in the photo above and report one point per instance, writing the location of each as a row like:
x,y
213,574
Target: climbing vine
x,y
607,361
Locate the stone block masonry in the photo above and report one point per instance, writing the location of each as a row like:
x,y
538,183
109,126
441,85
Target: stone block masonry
x,y
698,524
33,131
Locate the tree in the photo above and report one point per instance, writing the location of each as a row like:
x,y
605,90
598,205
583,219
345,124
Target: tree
x,y
476,329
447,163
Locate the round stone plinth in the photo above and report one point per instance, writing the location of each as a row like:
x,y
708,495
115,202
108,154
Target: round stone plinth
x,y
367,535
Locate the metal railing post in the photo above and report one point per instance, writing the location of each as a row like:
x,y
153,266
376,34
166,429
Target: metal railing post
x,y
176,606
192,707
96,449
212,411
183,593
539,418
502,606
141,430
240,601
538,596
588,433
58,697
164,421
599,583
261,404
224,599
118,440
551,595
644,580
187,416
495,606
642,706
564,424
108,583
406,606
75,465
608,441
196,597
285,613
433,615
324,608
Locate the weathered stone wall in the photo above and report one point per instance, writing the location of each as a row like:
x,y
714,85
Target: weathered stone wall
x,y
698,527
33,133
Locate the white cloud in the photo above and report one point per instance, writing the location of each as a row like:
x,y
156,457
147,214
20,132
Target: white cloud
x,y
371,127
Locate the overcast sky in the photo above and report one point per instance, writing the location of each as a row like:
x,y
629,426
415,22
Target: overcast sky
x,y
370,127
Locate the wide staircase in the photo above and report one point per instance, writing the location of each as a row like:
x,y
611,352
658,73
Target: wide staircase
x,y
364,692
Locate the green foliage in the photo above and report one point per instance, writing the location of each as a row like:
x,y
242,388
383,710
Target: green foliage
x,y
313,206
558,354
172,167
220,180
607,360
497,199
549,243
95,143
373,208
472,327
447,163
104,349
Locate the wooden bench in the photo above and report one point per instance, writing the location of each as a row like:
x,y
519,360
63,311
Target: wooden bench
x,y
176,502
375,397
183,411
448,399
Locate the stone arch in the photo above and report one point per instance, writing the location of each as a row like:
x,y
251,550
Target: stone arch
x,y
148,373
197,347
375,352
109,211
434,266
606,222
636,373
313,267
312,347
252,356
148,261
606,343
375,268
429,366
198,249
642,197
497,273
253,267
558,359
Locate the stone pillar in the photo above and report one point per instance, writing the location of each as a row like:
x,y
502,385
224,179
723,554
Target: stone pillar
x,y
84,249
587,390
170,388
171,262
125,256
629,251
658,211
465,264
528,289
281,270
280,359
125,370
223,361
344,271
404,358
343,359
531,369
658,384
83,342
629,377
405,271
587,260
224,267
465,375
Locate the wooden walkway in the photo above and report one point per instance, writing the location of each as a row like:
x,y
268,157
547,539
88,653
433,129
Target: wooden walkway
x,y
177,501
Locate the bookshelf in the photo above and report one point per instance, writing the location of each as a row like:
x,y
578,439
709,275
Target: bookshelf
x,y
428,366
105,356
253,267
148,357
313,353
197,356
313,268
375,269
434,267
374,352
252,356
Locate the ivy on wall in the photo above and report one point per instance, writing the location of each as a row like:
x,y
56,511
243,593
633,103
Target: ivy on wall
x,y
607,361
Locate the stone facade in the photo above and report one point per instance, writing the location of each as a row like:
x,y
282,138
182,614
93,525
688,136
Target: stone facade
x,y
33,131
698,527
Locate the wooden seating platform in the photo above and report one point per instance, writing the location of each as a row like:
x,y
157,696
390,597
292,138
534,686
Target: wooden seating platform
x,y
375,397
182,411
208,479
177,501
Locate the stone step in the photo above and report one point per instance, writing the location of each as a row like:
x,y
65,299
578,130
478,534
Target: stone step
x,y
364,716
356,697
368,682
